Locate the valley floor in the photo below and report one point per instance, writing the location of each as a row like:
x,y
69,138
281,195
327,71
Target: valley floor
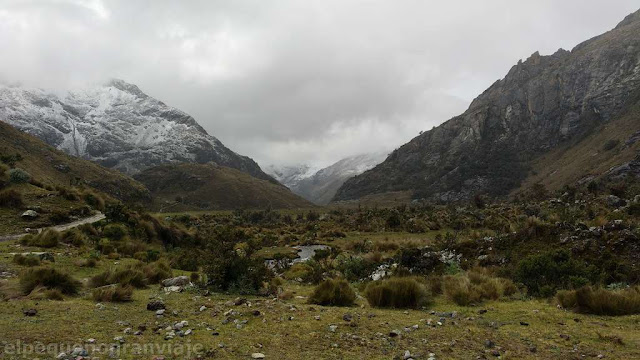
x,y
293,329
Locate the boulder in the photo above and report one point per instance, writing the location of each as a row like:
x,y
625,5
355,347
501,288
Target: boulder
x,y
176,281
29,214
155,305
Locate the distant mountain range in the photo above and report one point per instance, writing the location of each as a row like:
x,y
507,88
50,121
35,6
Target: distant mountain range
x,y
320,186
117,126
556,119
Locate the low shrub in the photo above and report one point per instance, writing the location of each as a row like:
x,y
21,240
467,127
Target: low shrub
x,y
544,273
19,176
601,301
397,293
48,278
94,200
90,263
10,199
333,292
47,239
29,260
113,293
59,217
115,231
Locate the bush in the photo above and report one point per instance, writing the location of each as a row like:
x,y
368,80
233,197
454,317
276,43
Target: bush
x,y
113,293
94,200
126,276
29,260
543,274
333,292
601,301
46,239
229,270
48,278
10,198
19,176
115,231
397,293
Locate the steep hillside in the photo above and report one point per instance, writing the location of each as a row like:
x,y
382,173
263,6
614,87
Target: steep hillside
x,y
117,126
544,104
182,187
55,168
320,186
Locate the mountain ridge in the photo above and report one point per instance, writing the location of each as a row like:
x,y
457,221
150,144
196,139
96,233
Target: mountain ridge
x,y
118,126
541,103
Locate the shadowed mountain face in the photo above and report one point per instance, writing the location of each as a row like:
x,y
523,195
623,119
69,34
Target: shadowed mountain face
x,y
543,103
117,126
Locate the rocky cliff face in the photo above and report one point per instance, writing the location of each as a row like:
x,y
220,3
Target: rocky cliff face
x,y
117,126
542,103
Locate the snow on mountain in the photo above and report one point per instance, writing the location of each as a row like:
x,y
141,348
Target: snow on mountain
x,y
320,186
118,126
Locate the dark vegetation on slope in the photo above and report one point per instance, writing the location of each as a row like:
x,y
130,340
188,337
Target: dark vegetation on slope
x,y
182,187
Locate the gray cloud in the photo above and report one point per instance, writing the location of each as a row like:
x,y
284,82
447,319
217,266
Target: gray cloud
x,y
286,81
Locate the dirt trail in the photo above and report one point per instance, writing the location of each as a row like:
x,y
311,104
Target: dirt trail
x,y
88,220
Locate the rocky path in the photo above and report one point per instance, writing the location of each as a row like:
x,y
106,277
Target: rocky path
x,y
88,220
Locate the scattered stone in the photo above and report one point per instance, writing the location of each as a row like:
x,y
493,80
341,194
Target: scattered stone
x,y
394,333
483,311
202,308
333,328
407,355
119,339
239,301
258,356
524,323
30,312
256,313
489,344
347,317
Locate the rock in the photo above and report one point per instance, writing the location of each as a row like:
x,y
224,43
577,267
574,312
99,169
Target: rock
x,y
256,313
119,339
524,323
79,352
258,356
176,281
615,201
202,308
347,317
30,312
489,344
61,356
394,333
333,328
29,214
155,305
239,301
160,312
407,355
483,311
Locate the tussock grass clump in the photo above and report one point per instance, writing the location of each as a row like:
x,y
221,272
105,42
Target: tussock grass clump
x,y
475,287
333,292
157,271
397,293
19,176
74,237
29,260
113,293
94,200
126,276
601,301
90,262
48,278
47,239
10,199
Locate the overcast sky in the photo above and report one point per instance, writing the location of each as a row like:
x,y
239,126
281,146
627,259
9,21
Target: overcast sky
x,y
289,81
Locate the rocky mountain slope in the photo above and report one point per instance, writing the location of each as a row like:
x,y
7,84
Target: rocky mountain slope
x,y
543,104
185,187
117,126
320,186
55,168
